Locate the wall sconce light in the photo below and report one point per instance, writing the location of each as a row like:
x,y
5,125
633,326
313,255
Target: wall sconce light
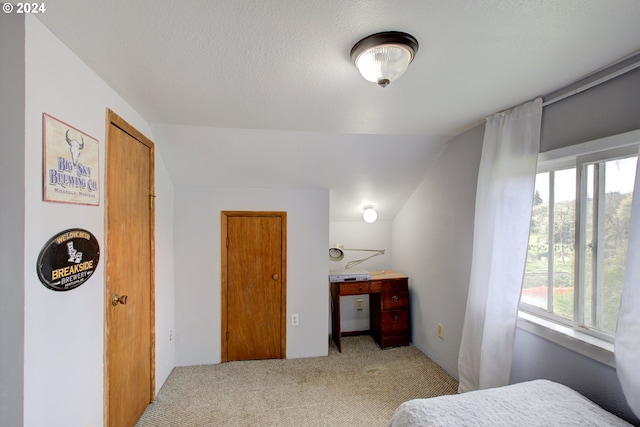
x,y
383,57
336,253
369,215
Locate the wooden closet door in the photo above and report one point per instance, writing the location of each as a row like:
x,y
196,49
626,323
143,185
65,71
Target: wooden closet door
x,y
129,360
255,289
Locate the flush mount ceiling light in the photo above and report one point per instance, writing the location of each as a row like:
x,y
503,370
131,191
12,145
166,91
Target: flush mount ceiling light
x,y
369,215
383,57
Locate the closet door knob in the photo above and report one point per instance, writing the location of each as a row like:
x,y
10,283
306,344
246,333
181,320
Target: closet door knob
x,y
117,299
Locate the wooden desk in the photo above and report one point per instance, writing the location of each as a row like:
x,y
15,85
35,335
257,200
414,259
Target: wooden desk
x,y
388,307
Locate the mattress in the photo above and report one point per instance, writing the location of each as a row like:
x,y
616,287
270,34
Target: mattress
x,y
532,403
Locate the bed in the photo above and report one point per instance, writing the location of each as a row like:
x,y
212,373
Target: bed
x,y
532,403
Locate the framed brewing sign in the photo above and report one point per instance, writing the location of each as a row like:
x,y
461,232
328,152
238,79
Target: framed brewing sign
x,y
68,259
71,161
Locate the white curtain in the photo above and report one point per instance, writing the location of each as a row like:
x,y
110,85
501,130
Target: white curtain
x,y
627,343
504,199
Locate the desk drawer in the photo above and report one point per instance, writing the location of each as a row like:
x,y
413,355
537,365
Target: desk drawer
x,y
394,321
354,288
394,300
389,285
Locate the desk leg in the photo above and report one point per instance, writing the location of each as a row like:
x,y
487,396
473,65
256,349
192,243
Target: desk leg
x,y
336,333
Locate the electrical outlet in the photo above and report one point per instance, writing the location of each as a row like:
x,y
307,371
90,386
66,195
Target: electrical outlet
x,y
170,334
440,330
359,304
294,320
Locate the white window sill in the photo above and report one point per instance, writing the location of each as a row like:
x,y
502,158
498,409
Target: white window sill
x,y
588,346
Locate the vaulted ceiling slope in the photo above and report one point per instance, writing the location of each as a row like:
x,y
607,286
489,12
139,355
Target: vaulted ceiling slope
x,y
284,66
359,169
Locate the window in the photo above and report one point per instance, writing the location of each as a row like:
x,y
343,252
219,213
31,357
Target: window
x,y
578,240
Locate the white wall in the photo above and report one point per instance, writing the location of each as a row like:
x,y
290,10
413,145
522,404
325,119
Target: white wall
x,y
165,293
535,357
432,237
64,331
359,235
198,267
12,219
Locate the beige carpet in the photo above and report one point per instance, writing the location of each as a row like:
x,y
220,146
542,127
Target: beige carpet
x,y
362,386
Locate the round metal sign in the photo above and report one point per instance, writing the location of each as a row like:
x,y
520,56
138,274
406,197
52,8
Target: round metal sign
x,y
68,259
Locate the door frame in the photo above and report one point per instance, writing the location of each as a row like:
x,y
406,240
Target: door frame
x,y
115,120
224,215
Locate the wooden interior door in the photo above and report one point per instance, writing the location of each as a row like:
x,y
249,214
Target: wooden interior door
x,y
254,286
129,339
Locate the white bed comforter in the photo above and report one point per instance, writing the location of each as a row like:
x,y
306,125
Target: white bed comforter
x,y
533,403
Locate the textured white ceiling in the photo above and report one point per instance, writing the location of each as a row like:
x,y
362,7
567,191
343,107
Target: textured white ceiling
x,y
284,65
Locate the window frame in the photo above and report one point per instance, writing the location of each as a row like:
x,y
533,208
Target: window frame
x,y
571,334
582,162
551,167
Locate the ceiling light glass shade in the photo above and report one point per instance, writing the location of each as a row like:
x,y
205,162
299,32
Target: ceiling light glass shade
x,y
369,215
383,64
383,57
